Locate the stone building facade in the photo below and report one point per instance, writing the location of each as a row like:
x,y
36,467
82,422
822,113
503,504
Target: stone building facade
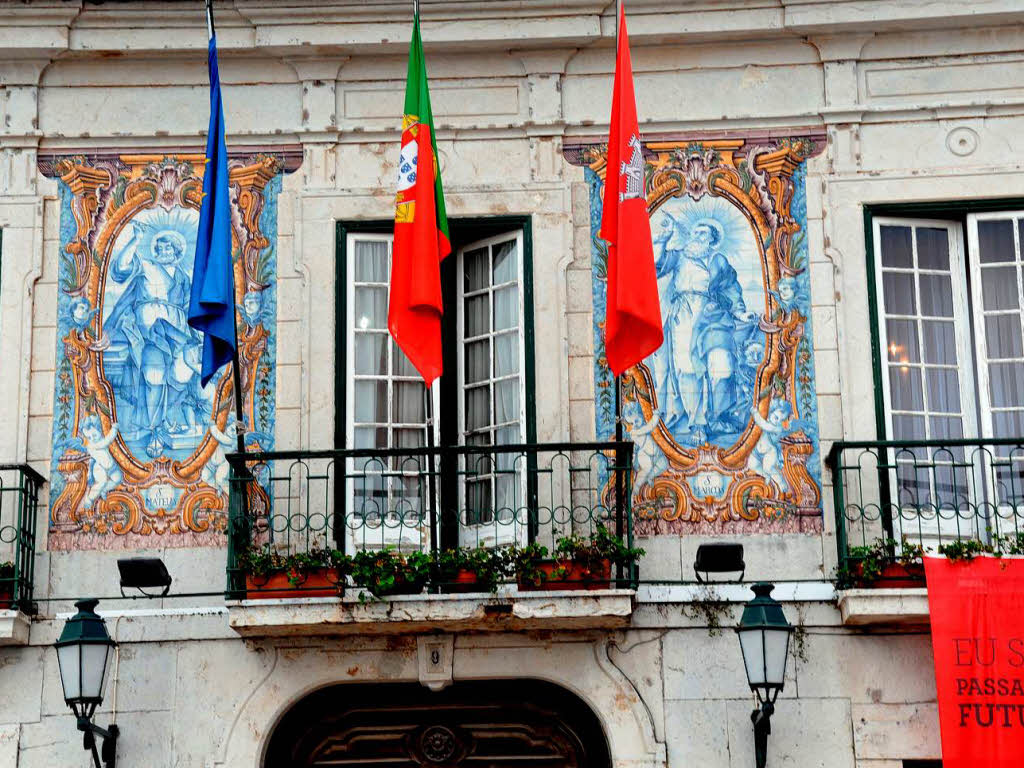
x,y
826,121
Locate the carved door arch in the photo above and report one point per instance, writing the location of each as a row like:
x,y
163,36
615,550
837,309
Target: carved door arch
x,y
527,724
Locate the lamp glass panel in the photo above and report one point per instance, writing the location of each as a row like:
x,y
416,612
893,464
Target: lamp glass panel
x,y
69,661
94,670
753,655
776,650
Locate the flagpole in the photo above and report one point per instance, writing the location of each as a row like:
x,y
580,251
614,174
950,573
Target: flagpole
x,y
209,20
211,30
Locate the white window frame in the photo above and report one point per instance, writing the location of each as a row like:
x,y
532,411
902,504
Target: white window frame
x,y
489,242
350,380
980,334
961,320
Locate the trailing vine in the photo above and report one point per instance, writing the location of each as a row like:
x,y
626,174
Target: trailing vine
x,y
709,609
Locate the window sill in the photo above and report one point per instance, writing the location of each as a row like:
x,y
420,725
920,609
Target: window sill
x,y
484,612
884,607
14,626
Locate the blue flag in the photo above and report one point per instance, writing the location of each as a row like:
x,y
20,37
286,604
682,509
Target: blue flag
x,y
212,305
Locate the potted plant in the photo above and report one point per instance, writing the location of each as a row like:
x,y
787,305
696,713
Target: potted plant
x,y
389,572
578,562
479,569
6,585
271,573
881,565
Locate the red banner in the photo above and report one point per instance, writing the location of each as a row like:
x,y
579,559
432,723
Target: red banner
x,y
977,618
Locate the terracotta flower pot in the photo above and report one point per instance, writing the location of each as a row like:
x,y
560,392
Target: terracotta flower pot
x,y
6,598
575,577
319,582
464,581
899,576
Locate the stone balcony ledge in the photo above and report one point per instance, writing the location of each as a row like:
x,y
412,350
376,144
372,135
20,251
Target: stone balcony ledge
x,y
483,612
14,628
884,607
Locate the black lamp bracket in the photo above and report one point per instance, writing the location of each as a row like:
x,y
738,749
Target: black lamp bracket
x,y
761,718
108,746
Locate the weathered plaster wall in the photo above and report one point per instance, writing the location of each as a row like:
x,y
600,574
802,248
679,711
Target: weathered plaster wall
x,y
190,693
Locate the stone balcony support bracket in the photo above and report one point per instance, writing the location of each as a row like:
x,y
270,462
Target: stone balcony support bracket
x,y
14,627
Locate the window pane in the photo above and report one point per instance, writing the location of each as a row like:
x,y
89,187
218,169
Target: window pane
x,y
371,307
506,354
905,388
371,261
1008,424
932,248
896,247
995,240
371,401
936,295
902,336
476,269
400,364
1003,337
510,436
506,401
1006,384
371,353
478,502
900,294
370,437
506,308
908,428
477,315
999,287
409,405
478,411
943,390
506,268
477,366
939,342
946,428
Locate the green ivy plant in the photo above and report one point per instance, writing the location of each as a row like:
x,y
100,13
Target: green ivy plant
x,y
490,565
866,563
387,571
7,570
526,564
588,553
263,561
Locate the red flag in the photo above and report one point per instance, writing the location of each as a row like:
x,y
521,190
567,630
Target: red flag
x,y
421,228
633,328
977,617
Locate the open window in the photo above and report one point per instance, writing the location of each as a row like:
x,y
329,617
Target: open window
x,y
481,401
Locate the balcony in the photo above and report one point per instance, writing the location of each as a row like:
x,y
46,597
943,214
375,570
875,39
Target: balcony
x,y
19,502
421,504
929,494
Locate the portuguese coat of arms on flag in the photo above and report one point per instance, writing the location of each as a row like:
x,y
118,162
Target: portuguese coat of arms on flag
x,y
421,228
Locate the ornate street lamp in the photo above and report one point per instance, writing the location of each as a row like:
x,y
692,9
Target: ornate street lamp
x,y
764,640
83,655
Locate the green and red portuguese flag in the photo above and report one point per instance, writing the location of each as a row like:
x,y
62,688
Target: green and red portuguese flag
x,y
421,228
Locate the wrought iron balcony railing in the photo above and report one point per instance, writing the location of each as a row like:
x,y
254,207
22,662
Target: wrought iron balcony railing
x,y
19,502
927,493
428,499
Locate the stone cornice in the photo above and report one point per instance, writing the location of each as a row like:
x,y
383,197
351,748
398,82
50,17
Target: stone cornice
x,y
297,28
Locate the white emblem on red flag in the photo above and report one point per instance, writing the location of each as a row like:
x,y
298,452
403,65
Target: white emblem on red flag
x,y
633,171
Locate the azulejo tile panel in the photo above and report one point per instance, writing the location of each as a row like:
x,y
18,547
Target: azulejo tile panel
x,y
138,444
724,414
